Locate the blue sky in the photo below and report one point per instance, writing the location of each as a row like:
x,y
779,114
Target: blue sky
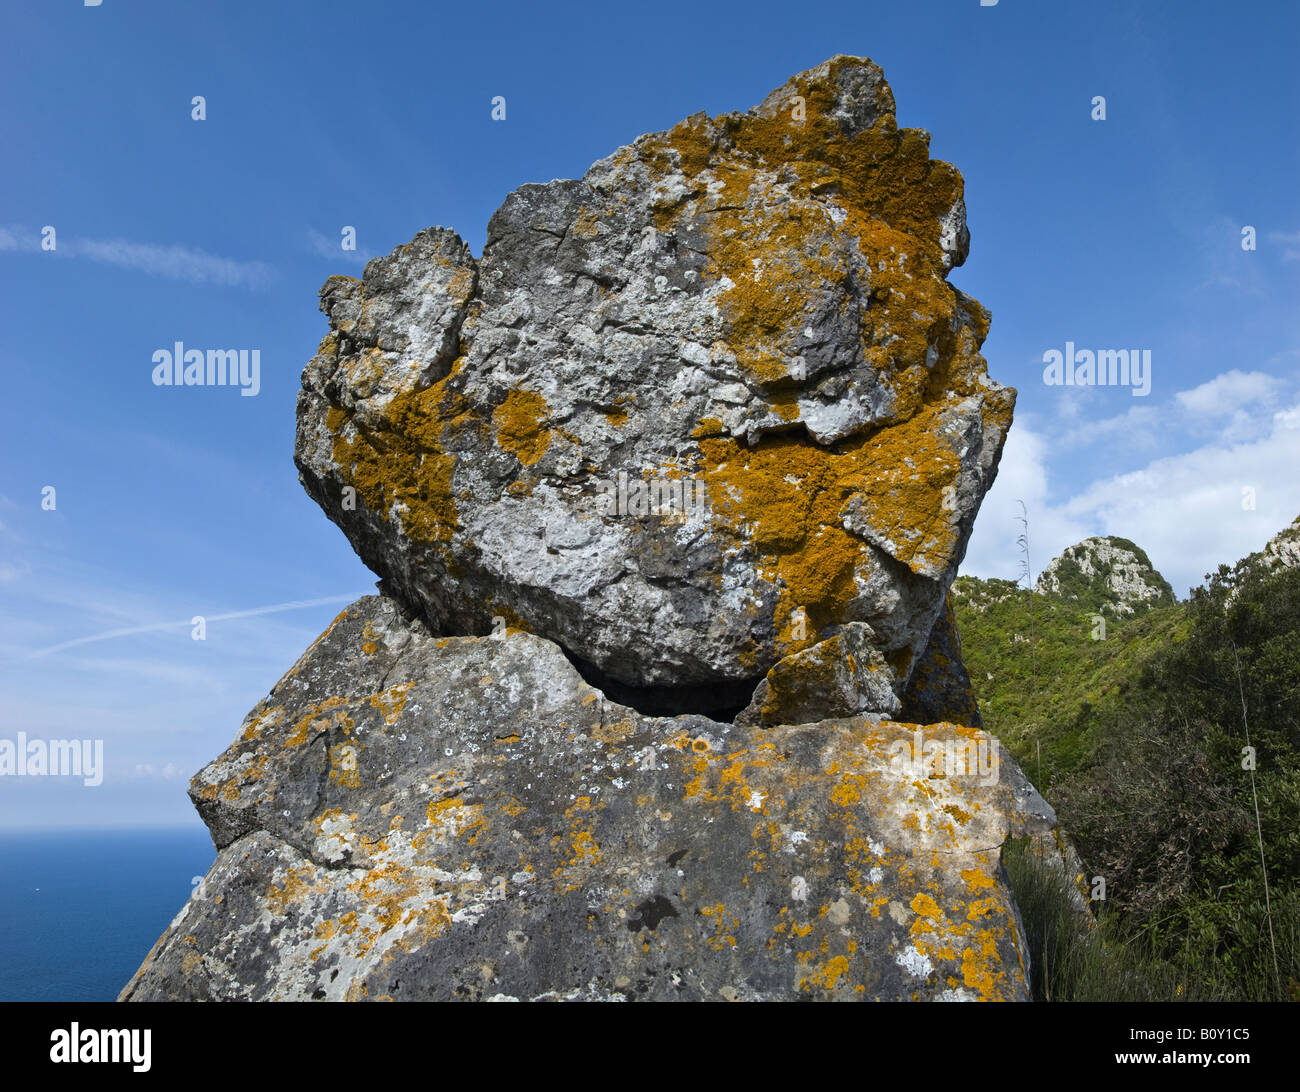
x,y
172,503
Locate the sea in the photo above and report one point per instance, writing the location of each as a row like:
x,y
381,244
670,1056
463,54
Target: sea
x,y
80,909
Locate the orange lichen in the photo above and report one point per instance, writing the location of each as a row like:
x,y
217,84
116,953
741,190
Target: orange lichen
x,y
392,701
520,430
398,465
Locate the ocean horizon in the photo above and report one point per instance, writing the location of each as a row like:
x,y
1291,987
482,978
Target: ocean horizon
x,y
80,908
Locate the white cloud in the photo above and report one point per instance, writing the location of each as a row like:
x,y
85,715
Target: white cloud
x,y
1185,510
1227,393
175,262
180,263
186,623
1022,476
1140,426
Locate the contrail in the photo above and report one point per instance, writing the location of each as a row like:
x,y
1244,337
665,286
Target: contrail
x,y
128,631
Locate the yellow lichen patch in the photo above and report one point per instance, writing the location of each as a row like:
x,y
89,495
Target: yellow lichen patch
x,y
925,906
519,423
398,898
886,171
617,415
461,285
515,623
343,765
392,701
848,793
706,428
398,465
313,721
586,225
724,926
768,252
769,256
268,718
451,818
785,493
298,882
827,975
583,851
715,782
369,639
615,731
908,470
981,965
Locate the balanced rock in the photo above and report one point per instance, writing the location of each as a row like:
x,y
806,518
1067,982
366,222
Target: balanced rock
x,y
694,414
703,432
413,817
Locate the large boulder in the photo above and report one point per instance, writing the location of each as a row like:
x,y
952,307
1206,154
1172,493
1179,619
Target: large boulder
x,y
697,412
663,697
407,816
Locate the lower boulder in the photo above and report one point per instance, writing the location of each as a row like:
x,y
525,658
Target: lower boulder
x,y
413,817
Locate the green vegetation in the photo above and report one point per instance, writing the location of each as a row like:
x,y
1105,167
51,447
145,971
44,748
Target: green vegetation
x,y
1137,740
1074,961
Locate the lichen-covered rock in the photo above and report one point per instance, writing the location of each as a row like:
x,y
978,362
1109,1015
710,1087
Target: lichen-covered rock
x,y
408,816
688,416
838,677
940,688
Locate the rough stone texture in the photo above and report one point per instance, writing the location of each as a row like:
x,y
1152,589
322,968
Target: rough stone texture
x,y
940,688
1111,573
416,817
755,302
838,677
705,430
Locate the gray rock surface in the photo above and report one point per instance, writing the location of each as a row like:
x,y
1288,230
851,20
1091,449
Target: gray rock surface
x,y
413,817
704,430
755,305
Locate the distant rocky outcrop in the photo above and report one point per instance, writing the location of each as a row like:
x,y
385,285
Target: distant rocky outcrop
x,y
1108,574
663,695
1282,551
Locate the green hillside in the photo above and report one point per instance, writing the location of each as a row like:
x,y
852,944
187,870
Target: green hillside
x,y
1137,739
